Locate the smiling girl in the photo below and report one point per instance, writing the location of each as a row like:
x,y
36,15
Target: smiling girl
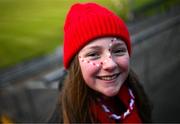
x,y
99,87
107,62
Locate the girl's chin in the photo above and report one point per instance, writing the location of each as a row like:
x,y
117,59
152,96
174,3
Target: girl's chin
x,y
110,93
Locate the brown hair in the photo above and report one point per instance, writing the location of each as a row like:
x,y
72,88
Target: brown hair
x,y
76,96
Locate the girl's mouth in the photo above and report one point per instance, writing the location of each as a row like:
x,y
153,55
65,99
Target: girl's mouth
x,y
108,77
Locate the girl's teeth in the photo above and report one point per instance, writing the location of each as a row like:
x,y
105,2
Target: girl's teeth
x,y
108,77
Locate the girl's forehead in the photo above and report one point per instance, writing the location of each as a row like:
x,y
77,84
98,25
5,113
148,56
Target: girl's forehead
x,y
104,41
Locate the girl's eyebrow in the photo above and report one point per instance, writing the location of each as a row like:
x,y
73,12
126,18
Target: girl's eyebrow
x,y
118,43
93,47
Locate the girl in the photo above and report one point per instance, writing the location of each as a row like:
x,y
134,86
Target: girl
x,y
99,87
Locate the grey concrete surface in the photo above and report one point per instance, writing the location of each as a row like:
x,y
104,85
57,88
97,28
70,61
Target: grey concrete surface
x,y
157,62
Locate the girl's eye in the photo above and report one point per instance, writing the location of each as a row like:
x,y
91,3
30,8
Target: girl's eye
x,y
119,51
93,55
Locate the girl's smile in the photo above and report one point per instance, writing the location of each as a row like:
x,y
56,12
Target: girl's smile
x,y
108,77
104,65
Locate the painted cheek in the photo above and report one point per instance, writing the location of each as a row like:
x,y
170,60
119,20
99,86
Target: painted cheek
x,y
89,72
88,66
88,62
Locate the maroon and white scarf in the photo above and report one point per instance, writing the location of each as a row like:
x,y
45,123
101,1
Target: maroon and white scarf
x,y
103,116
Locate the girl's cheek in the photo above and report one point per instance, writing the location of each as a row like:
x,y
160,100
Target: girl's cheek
x,y
89,66
88,63
123,62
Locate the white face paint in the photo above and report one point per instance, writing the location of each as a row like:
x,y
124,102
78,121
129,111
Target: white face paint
x,y
104,64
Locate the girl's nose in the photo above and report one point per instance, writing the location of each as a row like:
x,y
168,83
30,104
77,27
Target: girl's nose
x,y
109,64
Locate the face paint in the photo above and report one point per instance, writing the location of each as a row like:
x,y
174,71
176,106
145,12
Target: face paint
x,y
97,64
88,62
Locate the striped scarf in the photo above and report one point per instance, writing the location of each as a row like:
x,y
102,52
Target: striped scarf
x,y
103,116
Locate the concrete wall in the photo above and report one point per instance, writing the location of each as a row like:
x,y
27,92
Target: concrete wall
x,y
157,62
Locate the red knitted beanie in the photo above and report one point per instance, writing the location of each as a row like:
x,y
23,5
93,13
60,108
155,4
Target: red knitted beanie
x,y
87,21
